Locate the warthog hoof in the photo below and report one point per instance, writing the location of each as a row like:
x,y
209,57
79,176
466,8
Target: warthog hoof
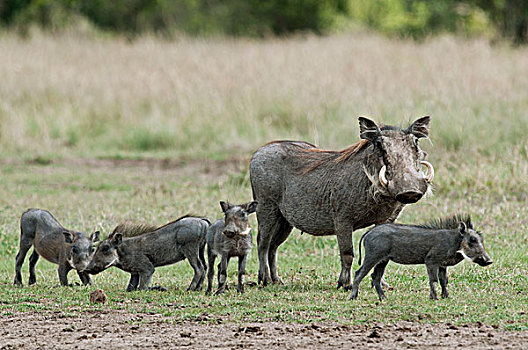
x,y
345,287
220,291
278,281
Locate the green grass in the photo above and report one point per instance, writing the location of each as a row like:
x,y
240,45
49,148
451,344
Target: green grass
x,y
152,144
98,197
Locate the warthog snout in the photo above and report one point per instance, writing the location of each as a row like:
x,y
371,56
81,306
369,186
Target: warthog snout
x,y
409,197
229,233
231,229
483,260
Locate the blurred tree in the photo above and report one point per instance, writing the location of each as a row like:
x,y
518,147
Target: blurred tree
x,y
10,8
510,17
407,18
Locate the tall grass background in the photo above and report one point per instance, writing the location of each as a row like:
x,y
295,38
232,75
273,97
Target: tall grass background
x,y
95,96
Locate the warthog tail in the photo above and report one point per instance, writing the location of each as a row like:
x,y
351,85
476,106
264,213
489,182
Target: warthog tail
x,y
361,239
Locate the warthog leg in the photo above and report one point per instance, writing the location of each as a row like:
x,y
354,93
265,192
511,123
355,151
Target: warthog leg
x,y
273,231
133,283
267,218
442,277
85,278
211,257
346,251
241,272
432,271
368,264
204,265
199,271
222,274
145,275
281,233
377,276
63,274
32,262
25,245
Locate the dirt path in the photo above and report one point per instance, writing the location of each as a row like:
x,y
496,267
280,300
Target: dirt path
x,y
125,330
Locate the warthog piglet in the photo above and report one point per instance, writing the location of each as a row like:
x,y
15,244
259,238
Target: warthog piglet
x,y
439,244
69,249
229,237
139,249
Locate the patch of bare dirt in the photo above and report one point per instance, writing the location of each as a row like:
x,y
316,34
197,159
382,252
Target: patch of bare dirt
x,y
121,330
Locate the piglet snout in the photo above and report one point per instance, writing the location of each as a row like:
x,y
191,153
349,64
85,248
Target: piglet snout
x,y
484,260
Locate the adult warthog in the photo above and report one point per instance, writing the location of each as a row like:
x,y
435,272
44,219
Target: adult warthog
x,y
325,192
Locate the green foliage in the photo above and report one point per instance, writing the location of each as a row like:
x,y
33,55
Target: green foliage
x,y
406,18
232,17
509,16
417,19
49,14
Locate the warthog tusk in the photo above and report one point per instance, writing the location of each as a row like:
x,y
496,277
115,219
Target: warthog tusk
x,y
382,178
430,170
111,263
245,232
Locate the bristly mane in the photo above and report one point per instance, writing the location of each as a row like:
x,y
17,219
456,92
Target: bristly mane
x,y
449,223
129,229
316,157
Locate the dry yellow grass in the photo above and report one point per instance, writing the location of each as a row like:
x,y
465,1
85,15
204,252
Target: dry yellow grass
x,y
74,94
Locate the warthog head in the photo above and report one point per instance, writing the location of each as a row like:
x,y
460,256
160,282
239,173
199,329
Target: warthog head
x,y
106,254
236,218
82,249
401,175
472,246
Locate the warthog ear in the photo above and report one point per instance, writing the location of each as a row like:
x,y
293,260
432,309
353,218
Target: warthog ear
x,y
68,236
368,130
420,128
95,237
117,239
250,207
462,227
225,206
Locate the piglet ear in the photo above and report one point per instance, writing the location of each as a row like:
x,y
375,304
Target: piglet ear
x,y
95,237
117,239
68,236
225,206
420,128
368,130
251,207
462,227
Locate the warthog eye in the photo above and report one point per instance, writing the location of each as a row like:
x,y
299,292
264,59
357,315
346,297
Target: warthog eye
x,y
473,240
75,250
